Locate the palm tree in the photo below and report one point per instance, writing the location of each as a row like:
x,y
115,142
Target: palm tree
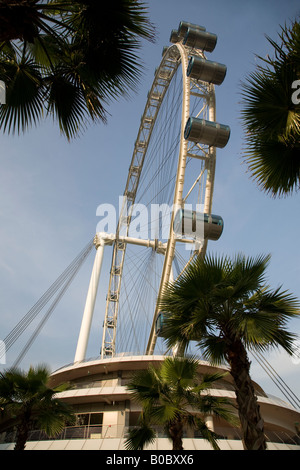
x,y
271,118
26,19
68,60
174,395
27,401
226,307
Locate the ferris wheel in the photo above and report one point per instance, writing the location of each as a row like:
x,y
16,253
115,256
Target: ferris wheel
x,y
166,213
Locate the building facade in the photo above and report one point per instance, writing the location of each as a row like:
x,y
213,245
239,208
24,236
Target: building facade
x,y
105,411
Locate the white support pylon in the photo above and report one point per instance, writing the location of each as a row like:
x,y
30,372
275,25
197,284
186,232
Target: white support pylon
x,y
90,301
101,239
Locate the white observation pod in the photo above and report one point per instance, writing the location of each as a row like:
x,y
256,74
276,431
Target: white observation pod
x,y
207,132
184,26
198,225
200,39
206,70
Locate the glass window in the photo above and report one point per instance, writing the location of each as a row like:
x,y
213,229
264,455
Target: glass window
x,y
96,418
82,419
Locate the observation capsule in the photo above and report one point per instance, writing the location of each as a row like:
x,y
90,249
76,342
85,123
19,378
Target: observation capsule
x,y
207,132
184,26
206,70
159,324
198,225
200,39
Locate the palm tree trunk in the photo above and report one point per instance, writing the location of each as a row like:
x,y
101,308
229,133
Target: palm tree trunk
x,y
176,433
23,431
249,411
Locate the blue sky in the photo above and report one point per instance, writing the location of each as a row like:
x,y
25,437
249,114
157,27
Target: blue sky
x,y
50,189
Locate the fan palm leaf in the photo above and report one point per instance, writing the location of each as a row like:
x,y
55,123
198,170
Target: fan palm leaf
x,y
168,393
75,58
24,94
271,120
140,436
27,400
26,19
226,306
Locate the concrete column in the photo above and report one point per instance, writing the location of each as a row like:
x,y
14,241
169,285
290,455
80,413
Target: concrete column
x,y
209,422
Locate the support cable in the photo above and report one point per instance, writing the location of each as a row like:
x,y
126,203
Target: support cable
x,y
277,380
16,332
50,310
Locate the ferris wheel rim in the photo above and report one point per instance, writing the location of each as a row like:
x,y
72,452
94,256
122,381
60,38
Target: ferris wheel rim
x,y
178,54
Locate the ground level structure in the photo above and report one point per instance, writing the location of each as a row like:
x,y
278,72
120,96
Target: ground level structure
x,y
105,411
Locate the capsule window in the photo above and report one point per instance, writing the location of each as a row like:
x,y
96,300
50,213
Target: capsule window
x,y
215,219
159,324
198,225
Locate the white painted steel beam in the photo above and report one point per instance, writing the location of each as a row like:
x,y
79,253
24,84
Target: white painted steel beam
x,y
102,239
178,194
90,303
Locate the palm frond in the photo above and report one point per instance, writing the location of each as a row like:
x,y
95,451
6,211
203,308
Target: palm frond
x,y
246,275
237,305
213,348
180,394
21,390
267,104
207,434
275,165
65,103
271,120
208,381
179,371
70,59
145,386
24,95
140,436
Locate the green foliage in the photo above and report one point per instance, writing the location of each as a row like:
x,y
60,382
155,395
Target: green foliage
x,y
219,300
27,400
68,60
271,120
174,395
140,436
226,306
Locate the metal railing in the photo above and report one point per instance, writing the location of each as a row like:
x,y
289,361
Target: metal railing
x,y
120,431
